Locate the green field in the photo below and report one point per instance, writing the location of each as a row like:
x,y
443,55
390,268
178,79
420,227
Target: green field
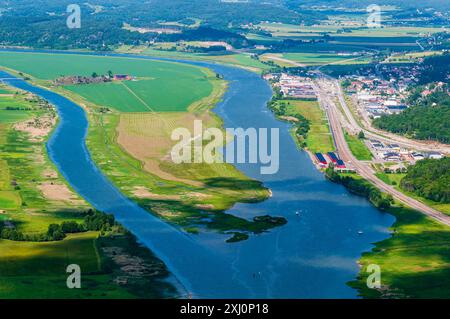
x,y
414,261
3,90
240,60
319,137
358,148
324,58
20,111
161,86
290,30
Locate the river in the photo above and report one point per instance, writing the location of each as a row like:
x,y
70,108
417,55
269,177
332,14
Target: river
x,y
313,256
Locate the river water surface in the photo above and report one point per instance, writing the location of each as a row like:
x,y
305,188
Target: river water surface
x,y
313,256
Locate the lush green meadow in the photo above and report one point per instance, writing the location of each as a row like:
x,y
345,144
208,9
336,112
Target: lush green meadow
x,y
161,86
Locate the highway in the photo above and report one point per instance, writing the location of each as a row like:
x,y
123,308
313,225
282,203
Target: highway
x,y
327,102
370,132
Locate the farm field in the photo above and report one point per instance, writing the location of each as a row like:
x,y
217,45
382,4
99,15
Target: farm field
x,y
193,196
155,86
411,56
4,90
314,59
286,30
182,194
241,60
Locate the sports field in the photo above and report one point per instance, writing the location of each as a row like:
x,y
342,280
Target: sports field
x,y
159,86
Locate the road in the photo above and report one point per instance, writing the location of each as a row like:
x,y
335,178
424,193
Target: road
x,y
369,131
328,104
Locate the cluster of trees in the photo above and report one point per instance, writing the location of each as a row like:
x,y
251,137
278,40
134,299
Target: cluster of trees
x,y
93,221
435,69
426,119
361,187
429,179
213,48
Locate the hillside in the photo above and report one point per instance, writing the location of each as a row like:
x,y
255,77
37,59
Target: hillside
x,y
426,120
429,179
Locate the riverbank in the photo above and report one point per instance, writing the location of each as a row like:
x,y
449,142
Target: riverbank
x,y
37,206
413,261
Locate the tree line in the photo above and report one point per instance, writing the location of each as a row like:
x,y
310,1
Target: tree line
x,y
93,221
427,118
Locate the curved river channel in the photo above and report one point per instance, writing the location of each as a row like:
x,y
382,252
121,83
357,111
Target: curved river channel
x,y
313,256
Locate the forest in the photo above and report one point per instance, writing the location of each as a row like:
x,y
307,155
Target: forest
x,y
426,119
42,23
429,179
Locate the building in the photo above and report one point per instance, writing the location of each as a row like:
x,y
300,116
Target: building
x,y
321,159
122,77
435,155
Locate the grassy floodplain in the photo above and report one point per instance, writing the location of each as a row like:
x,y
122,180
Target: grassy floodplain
x,y
414,261
32,197
137,145
319,138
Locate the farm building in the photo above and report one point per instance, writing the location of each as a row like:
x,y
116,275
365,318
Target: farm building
x,y
332,156
122,77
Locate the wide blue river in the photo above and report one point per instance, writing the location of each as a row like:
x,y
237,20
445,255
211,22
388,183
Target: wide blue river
x,y
313,256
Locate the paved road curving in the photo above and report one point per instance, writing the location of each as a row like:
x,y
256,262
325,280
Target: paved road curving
x,y
365,171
